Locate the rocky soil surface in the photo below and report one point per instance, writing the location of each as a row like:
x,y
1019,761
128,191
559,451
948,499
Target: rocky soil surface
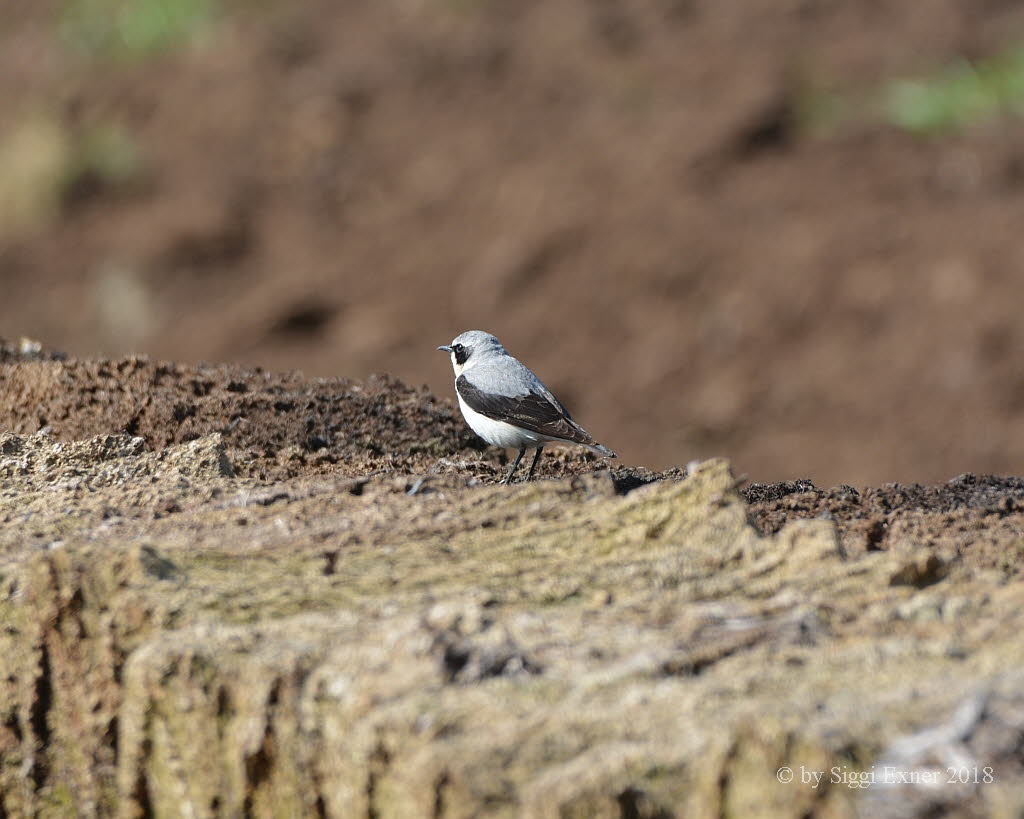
x,y
228,592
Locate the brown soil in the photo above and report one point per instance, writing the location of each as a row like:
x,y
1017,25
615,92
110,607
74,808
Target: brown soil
x,y
621,191
947,517
276,425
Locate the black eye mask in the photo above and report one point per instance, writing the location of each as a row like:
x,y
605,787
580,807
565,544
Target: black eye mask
x,y
461,354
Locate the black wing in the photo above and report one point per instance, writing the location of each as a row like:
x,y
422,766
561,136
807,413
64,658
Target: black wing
x,y
530,411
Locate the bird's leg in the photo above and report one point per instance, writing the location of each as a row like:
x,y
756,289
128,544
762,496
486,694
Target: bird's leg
x,y
536,458
515,466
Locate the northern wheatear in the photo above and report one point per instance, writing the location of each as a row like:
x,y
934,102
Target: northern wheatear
x,y
506,404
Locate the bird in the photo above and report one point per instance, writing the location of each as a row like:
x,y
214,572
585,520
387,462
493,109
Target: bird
x,y
507,405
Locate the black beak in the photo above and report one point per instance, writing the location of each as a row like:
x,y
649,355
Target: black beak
x,y
445,347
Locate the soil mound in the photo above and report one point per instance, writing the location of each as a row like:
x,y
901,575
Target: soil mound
x,y
274,425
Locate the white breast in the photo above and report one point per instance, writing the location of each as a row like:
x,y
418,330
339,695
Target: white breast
x,y
498,433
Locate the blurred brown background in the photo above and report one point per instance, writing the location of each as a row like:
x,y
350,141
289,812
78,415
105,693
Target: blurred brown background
x,y
788,232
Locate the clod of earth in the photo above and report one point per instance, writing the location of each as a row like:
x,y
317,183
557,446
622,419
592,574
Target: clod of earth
x,y
195,623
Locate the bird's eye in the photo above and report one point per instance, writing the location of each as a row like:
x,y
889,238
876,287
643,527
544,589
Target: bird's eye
x,y
458,348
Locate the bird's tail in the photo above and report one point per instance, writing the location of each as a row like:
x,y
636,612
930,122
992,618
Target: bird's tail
x,y
597,449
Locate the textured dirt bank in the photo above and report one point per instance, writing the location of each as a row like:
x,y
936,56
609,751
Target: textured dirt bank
x,y
194,625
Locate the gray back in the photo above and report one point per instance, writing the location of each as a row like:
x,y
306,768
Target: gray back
x,y
492,369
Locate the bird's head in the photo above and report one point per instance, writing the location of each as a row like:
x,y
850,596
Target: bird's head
x,y
470,347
